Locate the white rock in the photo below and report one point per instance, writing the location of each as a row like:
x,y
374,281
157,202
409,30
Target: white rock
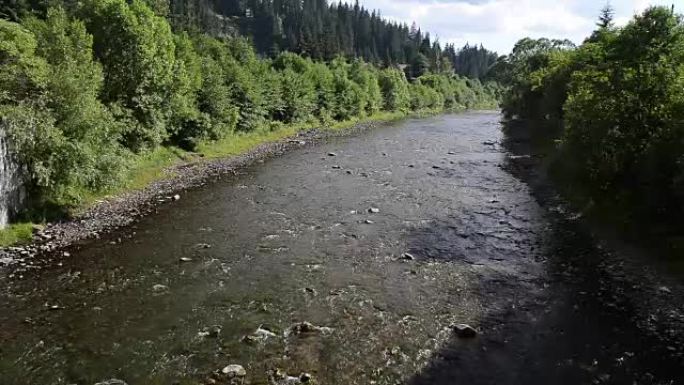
x,y
234,370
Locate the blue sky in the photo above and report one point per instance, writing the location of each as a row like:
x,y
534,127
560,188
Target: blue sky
x,y
498,24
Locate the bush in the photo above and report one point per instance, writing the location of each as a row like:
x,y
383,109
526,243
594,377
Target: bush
x,y
136,49
61,133
395,92
23,75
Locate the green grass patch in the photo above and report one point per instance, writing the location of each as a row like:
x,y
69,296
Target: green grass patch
x,y
15,234
240,143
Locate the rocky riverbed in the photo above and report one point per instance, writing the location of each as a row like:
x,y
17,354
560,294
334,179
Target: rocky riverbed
x,y
423,252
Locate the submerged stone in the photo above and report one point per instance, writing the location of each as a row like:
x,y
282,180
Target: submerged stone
x,y
113,381
464,331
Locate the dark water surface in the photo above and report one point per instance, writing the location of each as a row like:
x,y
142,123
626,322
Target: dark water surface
x,y
292,240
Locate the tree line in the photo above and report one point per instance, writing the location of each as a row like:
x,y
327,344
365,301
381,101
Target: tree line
x,y
86,87
311,28
619,100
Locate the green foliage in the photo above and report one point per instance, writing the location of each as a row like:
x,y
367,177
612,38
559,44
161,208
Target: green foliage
x,y
136,49
22,74
17,233
395,91
91,158
424,97
526,98
625,116
187,125
366,77
60,130
620,99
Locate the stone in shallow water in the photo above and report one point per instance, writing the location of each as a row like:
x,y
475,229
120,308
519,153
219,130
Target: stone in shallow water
x,y
210,331
260,335
307,328
278,377
234,370
373,210
113,381
159,288
464,331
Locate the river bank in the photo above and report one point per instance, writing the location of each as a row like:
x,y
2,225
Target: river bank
x,y
160,178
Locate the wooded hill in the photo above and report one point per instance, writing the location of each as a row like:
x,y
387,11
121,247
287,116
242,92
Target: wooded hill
x,y
311,28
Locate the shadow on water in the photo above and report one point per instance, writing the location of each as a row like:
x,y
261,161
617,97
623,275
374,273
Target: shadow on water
x,y
583,319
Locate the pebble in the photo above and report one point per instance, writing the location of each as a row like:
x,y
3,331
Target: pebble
x,y
408,257
332,154
665,289
234,370
373,210
176,197
185,259
159,288
113,381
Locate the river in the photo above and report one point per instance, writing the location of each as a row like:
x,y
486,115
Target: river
x,y
382,241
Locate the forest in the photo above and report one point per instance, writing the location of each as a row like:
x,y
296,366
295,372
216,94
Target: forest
x,y
89,88
615,107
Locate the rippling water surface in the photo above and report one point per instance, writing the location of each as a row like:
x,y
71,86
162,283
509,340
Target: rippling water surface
x,y
226,274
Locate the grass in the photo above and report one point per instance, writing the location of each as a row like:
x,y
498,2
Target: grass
x,y
15,234
153,166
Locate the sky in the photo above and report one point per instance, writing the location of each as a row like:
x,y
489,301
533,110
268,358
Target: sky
x,y
499,24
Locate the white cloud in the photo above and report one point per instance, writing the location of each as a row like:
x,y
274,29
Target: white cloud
x,y
498,24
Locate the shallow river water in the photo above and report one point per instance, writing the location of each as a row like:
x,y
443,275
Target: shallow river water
x,y
227,274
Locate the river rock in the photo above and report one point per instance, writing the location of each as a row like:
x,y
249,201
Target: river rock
x,y
307,328
113,381
185,259
665,289
210,331
159,288
234,370
278,377
260,335
373,210
332,154
408,257
464,331
176,197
